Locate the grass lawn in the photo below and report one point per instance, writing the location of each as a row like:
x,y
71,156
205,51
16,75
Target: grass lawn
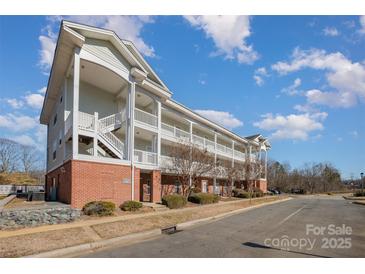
x,y
2,197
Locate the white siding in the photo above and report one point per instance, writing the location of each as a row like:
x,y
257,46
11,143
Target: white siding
x,y
106,51
93,99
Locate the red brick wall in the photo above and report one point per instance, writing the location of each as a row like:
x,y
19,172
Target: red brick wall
x,y
156,186
62,177
81,182
262,184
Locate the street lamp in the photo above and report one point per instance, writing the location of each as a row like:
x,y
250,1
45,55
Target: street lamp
x,y
362,181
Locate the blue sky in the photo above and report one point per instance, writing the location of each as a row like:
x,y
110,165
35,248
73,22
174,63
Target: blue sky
x,y
299,80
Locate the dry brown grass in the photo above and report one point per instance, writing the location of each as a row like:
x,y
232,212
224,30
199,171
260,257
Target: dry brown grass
x,y
18,178
40,242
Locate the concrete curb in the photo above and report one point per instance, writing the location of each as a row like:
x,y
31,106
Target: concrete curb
x,y
136,237
5,201
359,203
353,198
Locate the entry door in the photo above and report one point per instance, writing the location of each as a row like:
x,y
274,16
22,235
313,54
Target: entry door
x,y
205,186
146,190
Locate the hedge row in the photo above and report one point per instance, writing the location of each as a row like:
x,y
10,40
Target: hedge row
x,y
174,201
203,198
240,193
104,208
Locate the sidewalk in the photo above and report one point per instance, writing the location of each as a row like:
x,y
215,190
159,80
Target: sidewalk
x,y
45,238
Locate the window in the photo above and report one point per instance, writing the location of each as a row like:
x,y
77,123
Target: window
x,y
55,119
61,98
54,155
177,187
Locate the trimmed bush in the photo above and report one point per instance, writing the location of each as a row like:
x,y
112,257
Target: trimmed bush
x,y
196,190
99,208
203,198
174,201
359,193
130,206
240,193
257,193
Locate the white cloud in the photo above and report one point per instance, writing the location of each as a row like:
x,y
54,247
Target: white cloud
x,y
15,103
34,100
126,27
330,31
42,90
293,126
229,34
346,78
362,24
223,118
259,76
306,108
24,139
18,122
293,88
354,134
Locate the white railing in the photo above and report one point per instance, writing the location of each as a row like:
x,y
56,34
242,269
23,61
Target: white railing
x,y
209,144
224,149
145,117
174,131
86,121
145,157
112,120
113,141
68,123
165,161
198,140
239,155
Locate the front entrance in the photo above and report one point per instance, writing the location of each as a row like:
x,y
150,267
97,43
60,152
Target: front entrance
x,y
146,187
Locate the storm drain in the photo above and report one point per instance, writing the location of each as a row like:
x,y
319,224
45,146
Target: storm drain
x,y
169,230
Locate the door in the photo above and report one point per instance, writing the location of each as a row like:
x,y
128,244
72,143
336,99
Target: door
x,y
204,186
146,190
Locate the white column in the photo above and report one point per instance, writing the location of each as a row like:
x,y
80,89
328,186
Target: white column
x,y
191,131
95,148
232,153
131,96
75,104
215,162
265,164
158,132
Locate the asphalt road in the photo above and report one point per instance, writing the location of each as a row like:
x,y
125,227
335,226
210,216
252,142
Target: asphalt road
x,y
301,227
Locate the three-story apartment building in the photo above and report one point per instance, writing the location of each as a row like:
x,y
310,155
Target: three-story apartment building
x,y
111,121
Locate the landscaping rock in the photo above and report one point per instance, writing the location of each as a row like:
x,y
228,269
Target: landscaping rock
x,y
13,218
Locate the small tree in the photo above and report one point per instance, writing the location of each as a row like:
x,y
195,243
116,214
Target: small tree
x,y
9,155
190,163
252,172
232,173
28,158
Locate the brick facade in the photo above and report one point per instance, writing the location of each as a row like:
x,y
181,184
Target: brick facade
x,y
81,182
156,186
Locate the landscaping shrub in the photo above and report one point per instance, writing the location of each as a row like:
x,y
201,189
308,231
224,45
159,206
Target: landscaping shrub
x,y
203,198
196,190
174,201
130,206
240,193
99,208
257,193
359,193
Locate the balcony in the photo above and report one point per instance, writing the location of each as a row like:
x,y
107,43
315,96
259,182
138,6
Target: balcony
x,y
145,117
86,121
145,157
239,155
224,150
175,132
203,143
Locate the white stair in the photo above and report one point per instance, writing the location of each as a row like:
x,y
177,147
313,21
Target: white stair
x,y
108,141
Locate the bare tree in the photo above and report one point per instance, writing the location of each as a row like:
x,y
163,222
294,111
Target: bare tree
x,y
252,171
231,172
28,158
9,155
190,163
